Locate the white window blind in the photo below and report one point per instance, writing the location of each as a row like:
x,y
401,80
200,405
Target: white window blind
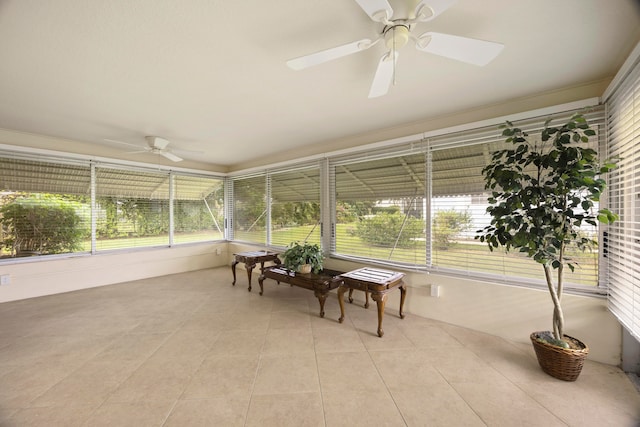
x,y
198,209
45,207
458,210
295,206
380,208
132,208
250,209
623,237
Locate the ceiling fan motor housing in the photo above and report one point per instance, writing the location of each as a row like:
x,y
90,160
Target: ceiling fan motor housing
x,y
157,142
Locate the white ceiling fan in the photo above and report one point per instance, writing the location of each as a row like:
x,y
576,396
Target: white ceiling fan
x,y
396,33
156,145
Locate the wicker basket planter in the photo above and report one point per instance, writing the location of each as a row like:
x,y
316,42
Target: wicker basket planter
x,y
562,363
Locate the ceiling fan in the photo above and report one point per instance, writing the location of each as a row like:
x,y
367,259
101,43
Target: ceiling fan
x,y
396,33
156,145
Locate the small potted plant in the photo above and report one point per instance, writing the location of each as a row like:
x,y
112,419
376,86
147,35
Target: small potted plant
x,y
544,189
303,258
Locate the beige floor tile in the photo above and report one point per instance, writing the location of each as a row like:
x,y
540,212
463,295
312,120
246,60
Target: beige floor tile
x,y
275,410
436,405
156,380
348,371
501,403
219,411
337,339
131,414
240,343
290,320
361,408
288,341
220,376
67,415
430,336
282,374
406,369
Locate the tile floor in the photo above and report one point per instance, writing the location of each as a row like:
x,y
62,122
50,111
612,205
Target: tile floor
x,y
190,350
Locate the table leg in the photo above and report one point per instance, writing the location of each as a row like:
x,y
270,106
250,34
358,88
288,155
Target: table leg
x,y
249,267
366,295
233,270
403,294
260,280
381,300
341,290
322,297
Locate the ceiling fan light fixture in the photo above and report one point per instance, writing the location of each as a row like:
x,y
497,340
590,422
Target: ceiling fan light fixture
x,y
396,37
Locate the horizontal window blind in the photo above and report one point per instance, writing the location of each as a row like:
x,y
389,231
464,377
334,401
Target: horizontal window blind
x,y
623,237
250,209
131,208
45,207
198,209
295,206
380,208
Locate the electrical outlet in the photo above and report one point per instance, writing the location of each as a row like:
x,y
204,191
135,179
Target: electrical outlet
x,y
5,279
435,291
218,251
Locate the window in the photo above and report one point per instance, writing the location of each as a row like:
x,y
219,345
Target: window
x,y
380,208
623,236
458,211
48,207
295,206
132,208
198,209
250,209
45,207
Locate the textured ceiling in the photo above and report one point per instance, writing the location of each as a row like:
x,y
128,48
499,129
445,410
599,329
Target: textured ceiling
x,y
210,76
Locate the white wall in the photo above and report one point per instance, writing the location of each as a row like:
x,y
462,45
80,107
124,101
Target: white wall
x,y
32,277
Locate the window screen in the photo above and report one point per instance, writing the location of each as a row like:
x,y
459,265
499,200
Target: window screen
x,y
198,212
295,206
250,209
45,207
132,208
380,209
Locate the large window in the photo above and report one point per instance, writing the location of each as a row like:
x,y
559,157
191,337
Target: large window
x,y
198,209
422,203
59,206
380,208
458,211
295,206
45,207
132,208
249,204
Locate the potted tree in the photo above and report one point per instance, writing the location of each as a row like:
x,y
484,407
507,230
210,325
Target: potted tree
x,y
303,258
544,190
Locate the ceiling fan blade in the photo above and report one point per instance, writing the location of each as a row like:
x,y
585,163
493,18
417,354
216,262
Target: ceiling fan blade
x,y
426,10
384,75
378,10
329,54
124,143
472,51
169,155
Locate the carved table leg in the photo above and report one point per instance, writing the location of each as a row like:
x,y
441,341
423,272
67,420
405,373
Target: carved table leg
x,y
233,270
260,280
341,290
322,297
366,295
381,300
403,294
249,267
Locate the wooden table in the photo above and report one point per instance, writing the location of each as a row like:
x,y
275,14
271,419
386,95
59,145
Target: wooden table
x,y
321,284
375,281
250,259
